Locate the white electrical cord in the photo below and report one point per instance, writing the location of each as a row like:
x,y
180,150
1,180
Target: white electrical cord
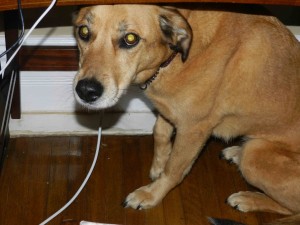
x,y
27,35
83,184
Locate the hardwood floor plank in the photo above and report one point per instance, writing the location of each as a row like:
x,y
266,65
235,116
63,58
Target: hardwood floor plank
x,y
156,215
222,176
113,192
173,208
41,174
18,185
38,164
94,192
58,182
198,191
13,184
27,184
78,165
132,177
4,183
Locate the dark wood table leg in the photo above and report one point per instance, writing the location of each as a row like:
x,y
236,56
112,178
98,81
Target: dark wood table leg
x,y
9,85
11,19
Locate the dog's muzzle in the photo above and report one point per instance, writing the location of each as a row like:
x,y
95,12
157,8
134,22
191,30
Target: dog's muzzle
x,y
89,90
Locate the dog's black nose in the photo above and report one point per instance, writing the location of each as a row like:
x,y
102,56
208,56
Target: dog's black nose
x,y
89,90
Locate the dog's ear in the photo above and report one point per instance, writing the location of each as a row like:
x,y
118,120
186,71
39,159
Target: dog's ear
x,y
176,31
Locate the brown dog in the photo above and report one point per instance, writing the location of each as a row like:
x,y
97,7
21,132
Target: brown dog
x,y
235,74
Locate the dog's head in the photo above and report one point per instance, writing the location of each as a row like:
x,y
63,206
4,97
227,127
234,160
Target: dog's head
x,y
124,44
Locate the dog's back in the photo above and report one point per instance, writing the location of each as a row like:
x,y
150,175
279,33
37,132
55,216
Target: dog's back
x,y
250,65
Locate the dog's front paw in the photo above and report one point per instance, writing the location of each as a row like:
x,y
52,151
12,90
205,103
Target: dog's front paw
x,y
141,198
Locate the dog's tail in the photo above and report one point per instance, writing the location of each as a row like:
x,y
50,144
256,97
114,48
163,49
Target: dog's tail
x,y
290,220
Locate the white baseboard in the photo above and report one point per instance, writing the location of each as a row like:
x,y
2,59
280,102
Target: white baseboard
x,y
82,124
49,108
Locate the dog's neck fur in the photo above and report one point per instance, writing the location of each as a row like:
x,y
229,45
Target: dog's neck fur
x,y
145,85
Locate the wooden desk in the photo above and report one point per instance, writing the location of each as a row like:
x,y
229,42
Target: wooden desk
x,y
12,4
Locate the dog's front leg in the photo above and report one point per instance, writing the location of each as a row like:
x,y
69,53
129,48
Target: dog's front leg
x,y
188,143
162,133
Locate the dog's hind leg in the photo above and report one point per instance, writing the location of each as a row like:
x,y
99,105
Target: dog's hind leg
x,y
247,201
274,169
162,133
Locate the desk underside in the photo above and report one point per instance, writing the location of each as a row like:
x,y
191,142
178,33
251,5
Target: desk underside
x,y
12,4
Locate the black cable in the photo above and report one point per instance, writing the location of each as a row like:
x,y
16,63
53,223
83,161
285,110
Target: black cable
x,y
20,38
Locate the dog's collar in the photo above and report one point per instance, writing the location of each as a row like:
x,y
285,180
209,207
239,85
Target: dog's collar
x,y
164,64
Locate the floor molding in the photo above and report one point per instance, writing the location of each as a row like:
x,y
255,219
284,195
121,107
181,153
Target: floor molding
x,y
82,124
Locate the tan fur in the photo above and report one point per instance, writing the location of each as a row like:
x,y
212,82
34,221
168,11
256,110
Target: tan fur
x,y
236,74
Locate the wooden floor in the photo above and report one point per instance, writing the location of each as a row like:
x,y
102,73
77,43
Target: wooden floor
x,y
41,174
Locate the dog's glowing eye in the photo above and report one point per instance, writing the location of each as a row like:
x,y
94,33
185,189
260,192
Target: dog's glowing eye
x,y
84,32
131,39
